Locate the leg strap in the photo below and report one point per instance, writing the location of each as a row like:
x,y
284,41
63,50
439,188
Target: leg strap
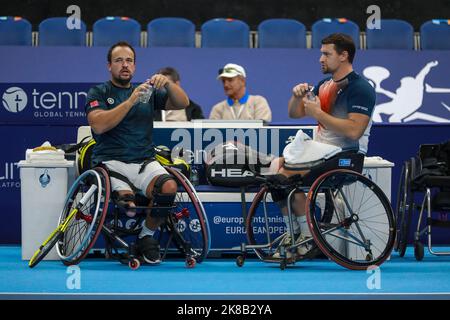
x,y
162,204
163,178
280,194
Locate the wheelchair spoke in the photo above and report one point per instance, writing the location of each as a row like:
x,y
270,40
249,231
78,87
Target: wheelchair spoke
x,y
360,230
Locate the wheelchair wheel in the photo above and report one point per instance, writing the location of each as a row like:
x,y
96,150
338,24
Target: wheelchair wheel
x,y
190,224
83,230
256,227
359,231
402,209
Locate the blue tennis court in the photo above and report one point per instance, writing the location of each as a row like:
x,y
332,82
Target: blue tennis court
x,y
399,278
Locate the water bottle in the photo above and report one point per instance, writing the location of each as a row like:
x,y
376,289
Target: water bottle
x,y
310,94
194,176
145,95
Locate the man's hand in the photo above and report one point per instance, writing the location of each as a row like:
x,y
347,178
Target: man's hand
x,y
300,90
312,107
134,98
159,81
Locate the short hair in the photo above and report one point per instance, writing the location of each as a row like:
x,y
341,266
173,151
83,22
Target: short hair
x,y
120,44
342,42
171,72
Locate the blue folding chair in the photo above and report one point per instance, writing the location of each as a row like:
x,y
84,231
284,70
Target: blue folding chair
x,y
15,31
323,28
225,33
56,32
110,30
435,35
171,32
393,34
281,33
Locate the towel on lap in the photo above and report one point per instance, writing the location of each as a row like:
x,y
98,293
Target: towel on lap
x,y
304,150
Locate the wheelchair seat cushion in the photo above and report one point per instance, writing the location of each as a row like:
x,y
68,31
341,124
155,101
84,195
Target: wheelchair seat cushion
x,y
433,181
305,153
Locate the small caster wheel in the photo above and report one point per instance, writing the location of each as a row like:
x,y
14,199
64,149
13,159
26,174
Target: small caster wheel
x,y
418,250
240,261
134,264
190,263
283,264
107,255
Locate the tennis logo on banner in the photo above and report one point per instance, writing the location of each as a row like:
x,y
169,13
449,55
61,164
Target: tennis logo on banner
x,y
43,103
14,99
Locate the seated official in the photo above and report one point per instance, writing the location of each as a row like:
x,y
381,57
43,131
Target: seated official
x,y
239,105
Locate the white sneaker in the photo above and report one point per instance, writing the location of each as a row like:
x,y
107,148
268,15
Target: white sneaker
x,y
305,248
286,241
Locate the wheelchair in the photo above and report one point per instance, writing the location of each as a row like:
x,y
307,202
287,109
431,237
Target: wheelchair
x,y
185,229
425,176
349,216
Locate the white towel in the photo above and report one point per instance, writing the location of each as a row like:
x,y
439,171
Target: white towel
x,y
57,155
304,150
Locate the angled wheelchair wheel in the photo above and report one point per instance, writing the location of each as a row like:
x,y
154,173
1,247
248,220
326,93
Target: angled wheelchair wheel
x,y
187,224
358,229
89,196
403,204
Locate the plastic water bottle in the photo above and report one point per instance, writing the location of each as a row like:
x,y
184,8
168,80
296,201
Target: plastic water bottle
x,y
310,94
145,95
194,176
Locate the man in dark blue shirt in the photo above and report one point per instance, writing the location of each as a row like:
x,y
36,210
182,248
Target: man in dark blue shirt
x,y
122,125
342,105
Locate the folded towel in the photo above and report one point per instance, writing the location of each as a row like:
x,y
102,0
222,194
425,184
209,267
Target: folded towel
x,y
44,153
304,150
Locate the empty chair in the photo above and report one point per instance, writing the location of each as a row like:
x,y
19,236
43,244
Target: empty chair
x,y
225,33
56,32
15,31
435,35
281,33
171,32
109,30
393,34
322,28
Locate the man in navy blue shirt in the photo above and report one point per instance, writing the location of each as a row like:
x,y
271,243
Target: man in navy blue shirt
x,y
122,127
343,107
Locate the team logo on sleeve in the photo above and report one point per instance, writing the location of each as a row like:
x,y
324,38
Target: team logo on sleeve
x,y
94,104
110,100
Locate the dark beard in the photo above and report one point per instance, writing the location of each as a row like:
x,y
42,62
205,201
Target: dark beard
x,y
123,82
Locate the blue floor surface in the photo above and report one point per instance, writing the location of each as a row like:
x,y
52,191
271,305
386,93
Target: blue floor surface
x,y
398,278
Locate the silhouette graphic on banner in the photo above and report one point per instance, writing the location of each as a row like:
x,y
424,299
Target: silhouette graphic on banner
x,y
407,99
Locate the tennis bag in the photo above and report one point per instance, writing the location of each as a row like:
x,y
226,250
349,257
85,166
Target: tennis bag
x,y
234,164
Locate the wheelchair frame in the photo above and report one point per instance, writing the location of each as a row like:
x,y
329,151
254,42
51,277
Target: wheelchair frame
x,y
409,186
322,230
81,222
169,226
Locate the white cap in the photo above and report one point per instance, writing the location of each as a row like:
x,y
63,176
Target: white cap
x,y
231,70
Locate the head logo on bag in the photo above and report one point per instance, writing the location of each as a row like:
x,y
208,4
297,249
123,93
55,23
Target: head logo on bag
x,y
234,164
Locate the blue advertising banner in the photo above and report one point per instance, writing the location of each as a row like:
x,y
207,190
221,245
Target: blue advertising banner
x,y
412,86
413,101
44,103
16,139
